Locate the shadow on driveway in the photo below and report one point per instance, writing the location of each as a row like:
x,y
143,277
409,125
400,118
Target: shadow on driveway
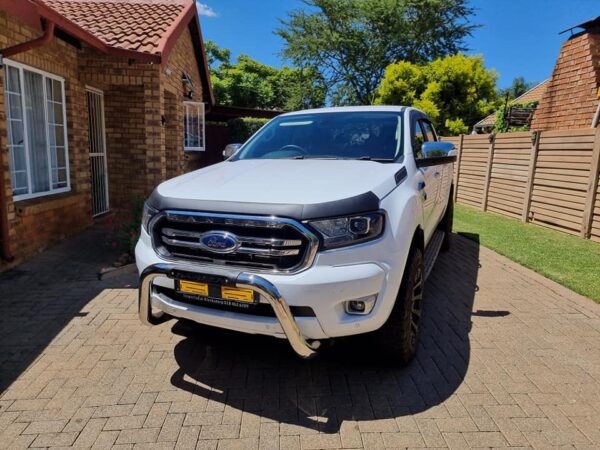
x,y
261,375
39,298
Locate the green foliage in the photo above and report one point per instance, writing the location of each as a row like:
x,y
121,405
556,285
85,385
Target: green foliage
x,y
568,260
216,55
502,127
125,226
351,42
242,128
518,87
455,91
251,84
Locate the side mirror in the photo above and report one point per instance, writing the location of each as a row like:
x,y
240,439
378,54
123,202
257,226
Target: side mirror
x,y
230,150
434,153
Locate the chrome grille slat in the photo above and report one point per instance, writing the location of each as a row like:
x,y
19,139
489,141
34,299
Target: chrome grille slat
x,y
170,232
264,244
270,267
267,251
246,250
199,218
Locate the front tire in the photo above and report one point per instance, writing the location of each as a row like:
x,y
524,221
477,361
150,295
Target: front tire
x,y
398,338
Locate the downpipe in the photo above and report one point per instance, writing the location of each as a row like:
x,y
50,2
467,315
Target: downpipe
x,y
29,45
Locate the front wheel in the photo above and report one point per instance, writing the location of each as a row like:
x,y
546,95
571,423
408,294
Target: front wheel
x,y
398,338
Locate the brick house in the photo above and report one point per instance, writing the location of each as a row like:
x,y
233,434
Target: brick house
x,y
99,102
570,100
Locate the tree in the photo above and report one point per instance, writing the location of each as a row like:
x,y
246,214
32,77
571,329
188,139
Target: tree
x,y
455,91
518,87
216,55
251,84
351,42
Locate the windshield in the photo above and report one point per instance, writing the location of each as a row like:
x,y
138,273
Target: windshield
x,y
338,135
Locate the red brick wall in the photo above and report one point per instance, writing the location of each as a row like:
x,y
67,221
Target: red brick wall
x,y
570,100
181,59
139,156
36,223
134,134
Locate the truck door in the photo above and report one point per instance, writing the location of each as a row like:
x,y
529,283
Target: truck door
x,y
441,173
429,186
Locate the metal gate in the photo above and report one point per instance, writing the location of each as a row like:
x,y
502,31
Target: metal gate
x,y
99,174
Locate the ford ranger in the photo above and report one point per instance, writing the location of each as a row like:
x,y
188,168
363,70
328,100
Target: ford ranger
x,y
324,224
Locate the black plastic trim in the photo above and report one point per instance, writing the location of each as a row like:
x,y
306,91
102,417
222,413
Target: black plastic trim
x,y
400,176
435,161
352,205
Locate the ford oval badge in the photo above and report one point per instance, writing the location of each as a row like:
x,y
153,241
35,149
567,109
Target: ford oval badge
x,y
219,242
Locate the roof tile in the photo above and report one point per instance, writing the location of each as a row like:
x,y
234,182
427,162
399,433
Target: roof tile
x,y
137,25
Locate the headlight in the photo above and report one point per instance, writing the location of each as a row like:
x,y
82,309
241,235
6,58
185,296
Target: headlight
x,y
147,215
342,231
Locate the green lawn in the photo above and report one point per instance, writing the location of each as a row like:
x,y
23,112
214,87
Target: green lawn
x,y
566,259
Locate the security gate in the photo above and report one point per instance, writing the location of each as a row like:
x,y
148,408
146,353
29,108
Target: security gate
x,y
99,175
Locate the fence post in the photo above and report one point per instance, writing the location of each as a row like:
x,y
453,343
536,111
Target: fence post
x,y
588,211
488,174
457,168
535,144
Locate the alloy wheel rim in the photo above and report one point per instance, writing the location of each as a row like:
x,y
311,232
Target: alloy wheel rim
x,y
416,307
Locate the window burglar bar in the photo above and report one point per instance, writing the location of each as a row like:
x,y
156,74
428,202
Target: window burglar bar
x,y
193,129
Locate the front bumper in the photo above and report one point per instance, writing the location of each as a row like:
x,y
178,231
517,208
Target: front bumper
x,y
239,279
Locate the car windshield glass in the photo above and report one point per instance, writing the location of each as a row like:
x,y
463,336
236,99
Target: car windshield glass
x,y
337,135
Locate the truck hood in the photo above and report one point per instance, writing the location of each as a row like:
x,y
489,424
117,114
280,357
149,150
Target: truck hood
x,y
297,188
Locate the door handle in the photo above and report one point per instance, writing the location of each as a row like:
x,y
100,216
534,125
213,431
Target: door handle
x,y
436,174
421,186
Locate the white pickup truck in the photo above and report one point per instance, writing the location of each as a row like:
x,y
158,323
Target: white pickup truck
x,y
324,224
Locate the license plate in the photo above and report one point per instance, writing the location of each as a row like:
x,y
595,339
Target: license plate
x,y
190,287
237,294
216,291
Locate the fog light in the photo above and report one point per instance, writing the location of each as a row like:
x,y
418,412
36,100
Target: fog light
x,y
360,306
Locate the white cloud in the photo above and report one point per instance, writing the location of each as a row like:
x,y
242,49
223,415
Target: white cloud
x,y
205,10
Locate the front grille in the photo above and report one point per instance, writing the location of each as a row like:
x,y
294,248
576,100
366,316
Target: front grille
x,y
263,243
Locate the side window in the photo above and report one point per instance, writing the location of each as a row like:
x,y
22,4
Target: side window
x,y
428,129
420,138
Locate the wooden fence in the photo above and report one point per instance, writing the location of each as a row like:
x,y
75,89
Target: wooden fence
x,y
549,178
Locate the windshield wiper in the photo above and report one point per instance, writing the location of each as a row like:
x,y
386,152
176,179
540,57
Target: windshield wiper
x,y
369,158
316,157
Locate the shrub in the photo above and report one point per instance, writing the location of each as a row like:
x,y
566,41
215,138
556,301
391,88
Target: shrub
x,y
242,128
126,226
501,125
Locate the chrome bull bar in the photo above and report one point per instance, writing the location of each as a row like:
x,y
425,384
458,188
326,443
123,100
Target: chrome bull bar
x,y
234,278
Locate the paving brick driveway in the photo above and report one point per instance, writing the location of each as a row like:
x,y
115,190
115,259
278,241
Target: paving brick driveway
x,y
508,359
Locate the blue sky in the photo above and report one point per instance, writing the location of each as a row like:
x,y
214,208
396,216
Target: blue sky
x,y
517,37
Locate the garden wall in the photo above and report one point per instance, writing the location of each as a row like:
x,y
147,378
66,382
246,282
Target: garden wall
x,y
549,178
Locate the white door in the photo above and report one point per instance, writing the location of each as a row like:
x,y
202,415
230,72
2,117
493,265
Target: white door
x,y
429,185
98,170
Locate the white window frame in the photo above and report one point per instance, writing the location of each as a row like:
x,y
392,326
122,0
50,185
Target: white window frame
x,y
200,107
61,80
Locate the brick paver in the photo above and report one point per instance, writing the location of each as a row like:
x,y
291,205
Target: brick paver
x,y
508,359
